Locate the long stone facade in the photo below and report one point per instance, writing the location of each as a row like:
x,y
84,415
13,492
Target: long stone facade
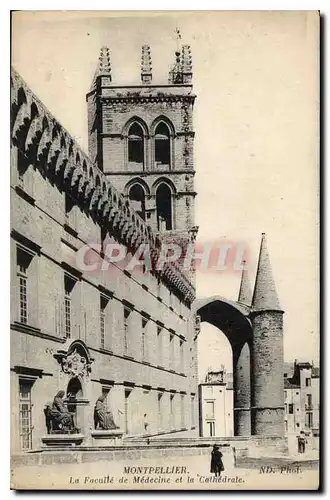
x,y
125,339
128,337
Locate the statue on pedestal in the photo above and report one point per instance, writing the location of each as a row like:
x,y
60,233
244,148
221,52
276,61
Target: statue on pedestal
x,y
58,418
103,418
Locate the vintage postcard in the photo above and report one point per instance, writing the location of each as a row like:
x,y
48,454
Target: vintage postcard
x,y
164,250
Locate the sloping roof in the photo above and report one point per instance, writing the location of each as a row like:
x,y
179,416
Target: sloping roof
x,y
288,385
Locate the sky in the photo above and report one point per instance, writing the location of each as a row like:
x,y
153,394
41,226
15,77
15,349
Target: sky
x,y
256,124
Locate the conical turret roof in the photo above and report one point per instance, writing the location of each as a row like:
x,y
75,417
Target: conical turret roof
x,y
245,293
265,294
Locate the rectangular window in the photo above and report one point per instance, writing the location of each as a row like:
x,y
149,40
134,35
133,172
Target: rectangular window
x,y
23,262
211,426
291,409
127,313
286,424
308,382
159,345
172,411
172,359
144,346
69,284
159,410
181,356
309,420
309,401
192,402
25,414
23,299
209,409
103,304
67,302
285,394
126,411
182,411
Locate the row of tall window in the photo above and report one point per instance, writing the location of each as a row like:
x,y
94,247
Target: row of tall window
x,y
24,259
291,409
160,339
164,211
69,284
26,408
137,196
168,401
136,145
308,404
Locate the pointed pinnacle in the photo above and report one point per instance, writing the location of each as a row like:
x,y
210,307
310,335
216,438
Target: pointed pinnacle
x,y
146,67
245,293
265,295
146,59
103,67
186,59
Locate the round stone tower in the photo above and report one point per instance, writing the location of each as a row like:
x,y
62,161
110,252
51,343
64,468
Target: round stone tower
x,y
267,412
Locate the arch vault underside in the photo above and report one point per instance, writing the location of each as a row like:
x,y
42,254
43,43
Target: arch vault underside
x,y
234,320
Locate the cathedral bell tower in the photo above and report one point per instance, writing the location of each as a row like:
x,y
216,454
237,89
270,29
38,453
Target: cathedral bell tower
x,y
142,137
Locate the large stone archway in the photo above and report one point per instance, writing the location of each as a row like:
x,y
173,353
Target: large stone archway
x,y
232,319
256,336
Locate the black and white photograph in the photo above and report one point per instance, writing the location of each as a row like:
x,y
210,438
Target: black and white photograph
x,y
164,250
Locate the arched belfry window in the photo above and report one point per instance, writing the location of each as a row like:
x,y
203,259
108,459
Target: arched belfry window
x,y
136,196
135,144
164,207
162,145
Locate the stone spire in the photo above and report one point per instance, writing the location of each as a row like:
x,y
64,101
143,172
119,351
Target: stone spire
x,y
175,75
265,295
146,65
245,293
186,62
103,67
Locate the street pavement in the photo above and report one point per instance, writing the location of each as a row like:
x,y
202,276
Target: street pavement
x,y
191,472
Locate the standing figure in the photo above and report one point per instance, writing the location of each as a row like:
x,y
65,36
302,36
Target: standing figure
x,y
301,442
103,418
61,417
216,461
48,418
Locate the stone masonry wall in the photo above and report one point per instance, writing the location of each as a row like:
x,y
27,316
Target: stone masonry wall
x,y
39,221
267,373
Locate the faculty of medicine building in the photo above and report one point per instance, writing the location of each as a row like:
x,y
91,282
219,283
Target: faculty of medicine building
x,y
130,337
